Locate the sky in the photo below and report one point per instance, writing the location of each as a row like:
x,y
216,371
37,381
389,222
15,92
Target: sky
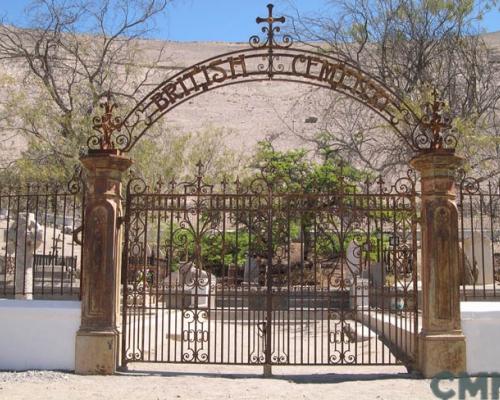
x,y
220,20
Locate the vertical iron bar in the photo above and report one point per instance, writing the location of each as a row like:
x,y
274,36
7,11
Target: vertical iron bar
x,y
125,280
269,298
492,236
462,238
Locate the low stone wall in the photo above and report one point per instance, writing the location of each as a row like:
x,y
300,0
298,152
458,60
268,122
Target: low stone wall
x,y
481,327
393,330
41,334
38,334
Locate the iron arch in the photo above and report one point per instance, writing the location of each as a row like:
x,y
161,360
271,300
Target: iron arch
x,y
273,61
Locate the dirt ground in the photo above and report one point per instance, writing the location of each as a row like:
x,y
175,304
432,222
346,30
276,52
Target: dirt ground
x,y
165,382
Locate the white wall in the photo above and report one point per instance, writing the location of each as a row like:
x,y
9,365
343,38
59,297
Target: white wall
x,y
38,334
481,327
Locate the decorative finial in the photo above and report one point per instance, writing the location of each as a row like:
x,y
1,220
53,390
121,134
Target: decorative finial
x,y
435,126
106,124
270,30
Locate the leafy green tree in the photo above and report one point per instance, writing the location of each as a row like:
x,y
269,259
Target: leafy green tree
x,y
299,172
287,173
295,171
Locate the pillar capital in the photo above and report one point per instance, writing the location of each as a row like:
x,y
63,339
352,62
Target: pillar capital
x,y
438,172
436,163
104,172
105,160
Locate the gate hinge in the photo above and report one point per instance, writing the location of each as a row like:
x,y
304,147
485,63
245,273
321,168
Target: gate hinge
x,y
119,221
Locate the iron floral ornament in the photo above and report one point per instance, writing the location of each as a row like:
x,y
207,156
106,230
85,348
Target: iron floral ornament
x,y
107,125
435,126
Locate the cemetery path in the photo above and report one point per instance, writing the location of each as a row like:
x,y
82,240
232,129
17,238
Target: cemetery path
x,y
165,382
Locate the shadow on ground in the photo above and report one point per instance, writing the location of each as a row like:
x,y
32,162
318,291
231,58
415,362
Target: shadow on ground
x,y
296,378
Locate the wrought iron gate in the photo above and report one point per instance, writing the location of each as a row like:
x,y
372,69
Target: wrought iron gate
x,y
260,272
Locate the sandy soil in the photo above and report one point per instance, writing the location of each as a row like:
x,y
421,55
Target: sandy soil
x,y
165,382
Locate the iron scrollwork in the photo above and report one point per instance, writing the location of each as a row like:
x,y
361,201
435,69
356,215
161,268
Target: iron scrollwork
x,y
201,231
339,338
109,126
434,130
272,59
195,335
76,182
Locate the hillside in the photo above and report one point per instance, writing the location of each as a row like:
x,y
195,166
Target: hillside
x,y
249,111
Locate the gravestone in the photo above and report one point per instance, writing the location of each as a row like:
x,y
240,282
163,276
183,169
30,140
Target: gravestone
x,y
196,284
477,248
173,295
25,236
359,294
377,275
252,270
172,279
296,252
232,272
468,275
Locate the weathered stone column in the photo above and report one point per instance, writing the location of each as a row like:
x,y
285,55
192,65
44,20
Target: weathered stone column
x,y
97,341
441,342
25,237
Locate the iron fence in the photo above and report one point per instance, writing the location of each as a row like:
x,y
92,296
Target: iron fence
x,y
40,241
479,232
262,274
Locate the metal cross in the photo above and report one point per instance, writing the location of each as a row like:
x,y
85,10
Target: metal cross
x,y
199,166
270,21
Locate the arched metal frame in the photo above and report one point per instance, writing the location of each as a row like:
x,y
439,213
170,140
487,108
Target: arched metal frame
x,y
269,60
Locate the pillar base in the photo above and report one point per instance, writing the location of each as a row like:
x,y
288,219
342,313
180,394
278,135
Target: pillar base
x,y
23,296
441,352
96,352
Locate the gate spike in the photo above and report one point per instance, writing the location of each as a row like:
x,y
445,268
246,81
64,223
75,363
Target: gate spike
x,y
159,184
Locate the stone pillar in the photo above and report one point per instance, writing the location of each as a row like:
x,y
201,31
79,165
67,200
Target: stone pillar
x,y
441,344
97,341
